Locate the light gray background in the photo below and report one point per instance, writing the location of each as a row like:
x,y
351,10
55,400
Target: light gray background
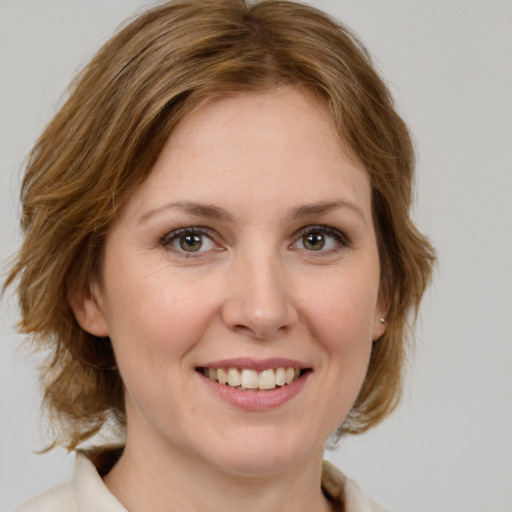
x,y
449,64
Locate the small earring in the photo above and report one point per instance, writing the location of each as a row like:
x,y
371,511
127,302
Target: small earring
x,y
382,321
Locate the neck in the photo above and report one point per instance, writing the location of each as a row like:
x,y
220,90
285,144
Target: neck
x,y
146,479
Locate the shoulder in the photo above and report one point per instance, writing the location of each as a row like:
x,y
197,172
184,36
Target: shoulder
x,y
58,499
85,493
344,493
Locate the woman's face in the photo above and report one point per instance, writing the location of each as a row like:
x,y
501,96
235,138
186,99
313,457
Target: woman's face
x,y
249,254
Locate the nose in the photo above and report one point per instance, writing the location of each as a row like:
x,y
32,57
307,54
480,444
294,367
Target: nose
x,y
259,298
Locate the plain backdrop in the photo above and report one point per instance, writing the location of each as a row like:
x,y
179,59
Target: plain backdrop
x,y
449,65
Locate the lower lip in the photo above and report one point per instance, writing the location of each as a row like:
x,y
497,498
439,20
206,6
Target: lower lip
x,y
256,400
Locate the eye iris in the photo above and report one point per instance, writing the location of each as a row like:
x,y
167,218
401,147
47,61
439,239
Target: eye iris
x,y
314,241
191,243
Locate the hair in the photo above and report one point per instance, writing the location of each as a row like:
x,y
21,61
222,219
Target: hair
x,y
102,145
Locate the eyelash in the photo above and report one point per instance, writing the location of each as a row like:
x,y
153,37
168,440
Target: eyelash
x,y
340,238
170,238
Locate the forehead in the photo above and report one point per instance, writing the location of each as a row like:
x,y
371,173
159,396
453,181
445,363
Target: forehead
x,y
253,119
280,145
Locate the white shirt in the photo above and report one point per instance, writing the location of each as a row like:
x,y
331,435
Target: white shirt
x,y
86,492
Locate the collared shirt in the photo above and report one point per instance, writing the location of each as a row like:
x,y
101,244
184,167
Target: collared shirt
x,y
86,492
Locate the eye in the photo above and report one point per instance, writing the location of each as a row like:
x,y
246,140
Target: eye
x,y
189,240
320,239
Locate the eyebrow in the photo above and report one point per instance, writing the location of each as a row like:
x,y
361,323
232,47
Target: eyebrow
x,y
324,207
209,211
206,211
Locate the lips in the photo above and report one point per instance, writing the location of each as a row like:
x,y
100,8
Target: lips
x,y
255,385
250,379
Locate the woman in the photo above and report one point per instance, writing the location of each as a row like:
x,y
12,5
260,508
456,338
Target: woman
x,y
218,254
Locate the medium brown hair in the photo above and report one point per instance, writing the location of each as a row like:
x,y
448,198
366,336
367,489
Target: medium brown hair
x,y
104,141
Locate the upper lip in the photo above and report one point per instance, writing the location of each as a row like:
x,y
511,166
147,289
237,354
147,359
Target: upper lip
x,y
256,364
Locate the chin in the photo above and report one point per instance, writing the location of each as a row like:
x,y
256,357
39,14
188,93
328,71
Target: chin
x,y
265,453
260,465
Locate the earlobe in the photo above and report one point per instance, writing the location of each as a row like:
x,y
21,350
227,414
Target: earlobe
x,y
379,327
88,311
379,322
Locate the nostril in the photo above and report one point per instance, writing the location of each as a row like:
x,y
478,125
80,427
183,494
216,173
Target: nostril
x,y
243,329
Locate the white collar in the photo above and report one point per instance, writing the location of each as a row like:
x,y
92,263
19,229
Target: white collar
x,y
92,495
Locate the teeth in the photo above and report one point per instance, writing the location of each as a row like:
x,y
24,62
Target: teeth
x,y
249,379
246,378
267,379
234,378
280,376
222,376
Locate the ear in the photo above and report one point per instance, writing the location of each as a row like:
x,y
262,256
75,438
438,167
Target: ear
x,y
89,311
379,319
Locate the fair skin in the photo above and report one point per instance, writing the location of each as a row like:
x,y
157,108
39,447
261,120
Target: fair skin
x,y
277,268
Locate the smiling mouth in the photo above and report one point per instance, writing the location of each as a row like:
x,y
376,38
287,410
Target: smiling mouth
x,y
252,380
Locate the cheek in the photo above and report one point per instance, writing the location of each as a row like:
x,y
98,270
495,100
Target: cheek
x,y
154,327
343,313
342,319
154,318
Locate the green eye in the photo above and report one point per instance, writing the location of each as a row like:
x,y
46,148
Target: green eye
x,y
190,243
314,241
322,239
